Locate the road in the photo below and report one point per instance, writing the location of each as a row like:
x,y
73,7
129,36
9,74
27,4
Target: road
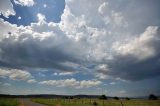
x,y
28,102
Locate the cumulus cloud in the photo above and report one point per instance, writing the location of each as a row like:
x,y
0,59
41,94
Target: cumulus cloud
x,y
72,83
6,8
41,17
15,74
25,2
95,37
142,47
31,81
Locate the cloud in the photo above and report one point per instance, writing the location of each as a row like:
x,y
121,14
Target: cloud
x,y
45,5
31,81
6,8
112,83
15,74
46,37
6,84
98,37
19,18
41,17
25,2
64,73
141,47
72,83
89,83
123,91
137,59
102,8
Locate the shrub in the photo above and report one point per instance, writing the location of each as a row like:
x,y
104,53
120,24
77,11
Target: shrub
x,y
152,97
127,98
116,98
103,97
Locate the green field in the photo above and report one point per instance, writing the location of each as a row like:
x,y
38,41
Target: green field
x,y
8,102
96,102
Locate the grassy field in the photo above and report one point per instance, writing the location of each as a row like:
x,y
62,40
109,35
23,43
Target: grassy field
x,y
96,102
8,102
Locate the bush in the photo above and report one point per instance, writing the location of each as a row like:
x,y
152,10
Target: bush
x,y
116,98
152,97
127,98
103,97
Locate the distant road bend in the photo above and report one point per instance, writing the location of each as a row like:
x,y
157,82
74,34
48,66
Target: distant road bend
x,y
28,102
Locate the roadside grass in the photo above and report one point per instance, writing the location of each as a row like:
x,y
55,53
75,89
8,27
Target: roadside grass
x,y
96,102
8,102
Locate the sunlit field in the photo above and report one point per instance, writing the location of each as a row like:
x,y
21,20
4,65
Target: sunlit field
x,y
8,102
96,102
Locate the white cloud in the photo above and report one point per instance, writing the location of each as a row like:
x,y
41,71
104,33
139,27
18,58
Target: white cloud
x,y
25,2
72,83
6,29
89,83
102,76
112,83
141,47
19,75
31,81
6,8
4,72
102,8
15,74
66,73
19,18
63,73
45,5
41,17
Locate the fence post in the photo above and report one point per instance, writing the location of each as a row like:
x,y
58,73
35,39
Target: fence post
x,y
103,102
121,103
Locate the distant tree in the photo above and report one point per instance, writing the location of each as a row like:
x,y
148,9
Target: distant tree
x,y
103,97
116,98
71,97
127,98
65,97
152,97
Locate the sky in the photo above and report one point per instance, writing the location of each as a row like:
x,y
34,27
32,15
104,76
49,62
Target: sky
x,y
74,47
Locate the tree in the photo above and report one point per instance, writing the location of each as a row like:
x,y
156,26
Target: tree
x,y
127,98
116,98
152,97
103,97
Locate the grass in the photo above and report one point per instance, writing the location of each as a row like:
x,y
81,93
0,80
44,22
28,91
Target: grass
x,y
91,102
8,102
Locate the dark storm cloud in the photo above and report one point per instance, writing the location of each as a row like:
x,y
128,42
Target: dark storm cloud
x,y
138,59
33,53
129,69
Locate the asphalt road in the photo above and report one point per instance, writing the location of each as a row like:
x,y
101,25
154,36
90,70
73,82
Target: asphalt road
x,y
28,102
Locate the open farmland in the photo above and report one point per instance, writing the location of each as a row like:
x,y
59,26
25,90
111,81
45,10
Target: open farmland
x,y
96,102
8,102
